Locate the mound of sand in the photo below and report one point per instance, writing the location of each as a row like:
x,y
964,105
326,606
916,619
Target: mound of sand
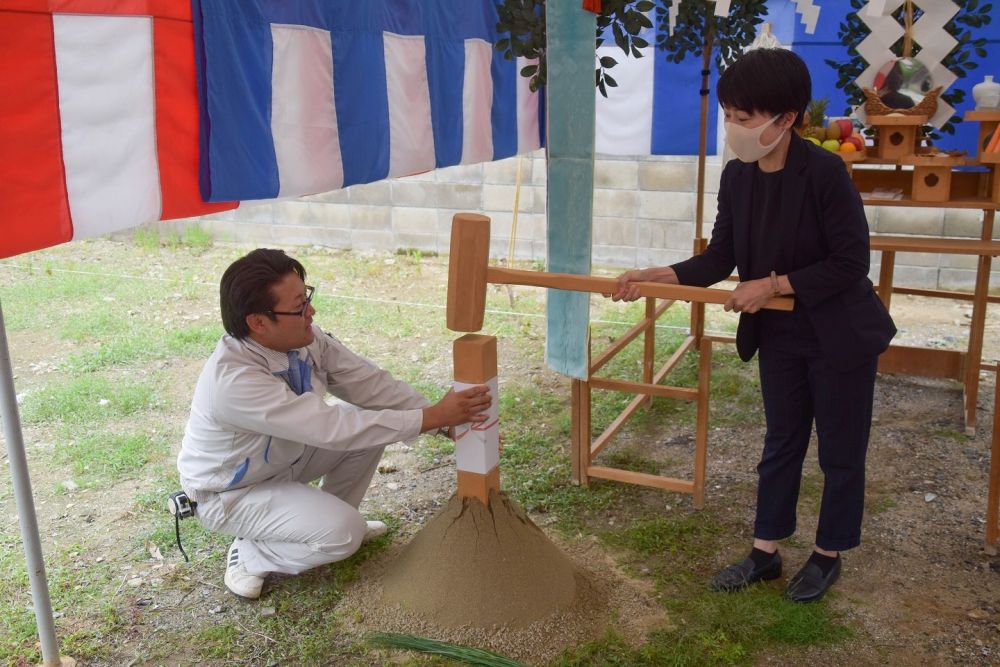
x,y
482,567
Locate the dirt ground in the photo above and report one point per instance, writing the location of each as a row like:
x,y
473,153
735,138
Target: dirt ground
x,y
922,587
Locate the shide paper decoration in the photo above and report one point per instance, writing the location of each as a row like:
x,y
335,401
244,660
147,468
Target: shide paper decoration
x,y
808,8
928,31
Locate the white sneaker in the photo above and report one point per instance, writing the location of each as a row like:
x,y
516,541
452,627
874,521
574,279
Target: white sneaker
x,y
237,579
375,529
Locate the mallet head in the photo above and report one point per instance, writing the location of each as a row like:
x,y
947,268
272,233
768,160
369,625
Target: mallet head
x,y
467,263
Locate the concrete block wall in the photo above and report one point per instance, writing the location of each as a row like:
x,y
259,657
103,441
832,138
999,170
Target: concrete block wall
x,y
644,213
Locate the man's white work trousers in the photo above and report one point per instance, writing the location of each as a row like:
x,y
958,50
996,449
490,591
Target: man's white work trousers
x,y
289,526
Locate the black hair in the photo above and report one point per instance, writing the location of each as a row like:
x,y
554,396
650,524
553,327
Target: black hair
x,y
771,81
246,287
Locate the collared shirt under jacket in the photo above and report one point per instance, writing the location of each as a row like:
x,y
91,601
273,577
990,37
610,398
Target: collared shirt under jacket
x,y
248,424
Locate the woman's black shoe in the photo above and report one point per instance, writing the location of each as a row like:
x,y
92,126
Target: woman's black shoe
x,y
809,584
739,576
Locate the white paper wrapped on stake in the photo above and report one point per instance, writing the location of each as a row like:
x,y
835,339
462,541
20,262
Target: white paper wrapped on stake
x,y
477,446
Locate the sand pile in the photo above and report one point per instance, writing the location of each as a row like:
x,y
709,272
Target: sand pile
x,y
478,566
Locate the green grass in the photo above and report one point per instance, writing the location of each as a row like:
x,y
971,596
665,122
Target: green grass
x,y
674,536
303,630
536,469
116,339
949,433
141,343
92,325
85,399
220,641
99,458
78,588
153,495
192,237
706,628
433,450
631,459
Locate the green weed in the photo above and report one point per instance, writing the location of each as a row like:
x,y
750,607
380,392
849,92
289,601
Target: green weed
x,y
150,238
143,342
98,458
663,535
146,238
196,238
77,588
87,398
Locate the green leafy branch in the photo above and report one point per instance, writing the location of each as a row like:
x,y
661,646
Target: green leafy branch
x,y
697,27
626,19
522,22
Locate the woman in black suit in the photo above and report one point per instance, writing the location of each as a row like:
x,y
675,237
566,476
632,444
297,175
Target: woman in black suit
x,y
792,223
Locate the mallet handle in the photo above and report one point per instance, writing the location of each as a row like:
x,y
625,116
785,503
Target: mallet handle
x,y
599,285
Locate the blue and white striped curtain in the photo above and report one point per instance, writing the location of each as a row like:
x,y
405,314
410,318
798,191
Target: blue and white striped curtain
x,y
304,96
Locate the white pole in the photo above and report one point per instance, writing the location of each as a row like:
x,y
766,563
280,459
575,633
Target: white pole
x,y
25,505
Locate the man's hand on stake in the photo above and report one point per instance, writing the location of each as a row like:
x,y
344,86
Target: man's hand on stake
x,y
458,407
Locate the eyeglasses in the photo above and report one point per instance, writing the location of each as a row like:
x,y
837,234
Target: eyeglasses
x,y
305,306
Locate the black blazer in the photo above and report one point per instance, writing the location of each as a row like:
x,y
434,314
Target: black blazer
x,y
821,243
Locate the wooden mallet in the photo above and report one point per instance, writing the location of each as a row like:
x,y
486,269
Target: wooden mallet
x,y
469,272
475,356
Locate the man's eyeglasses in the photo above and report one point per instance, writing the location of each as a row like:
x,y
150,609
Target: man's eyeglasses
x,y
305,306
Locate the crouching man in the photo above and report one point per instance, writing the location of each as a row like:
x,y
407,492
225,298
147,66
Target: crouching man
x,y
260,430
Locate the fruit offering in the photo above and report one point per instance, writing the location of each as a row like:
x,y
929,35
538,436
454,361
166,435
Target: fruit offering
x,y
839,135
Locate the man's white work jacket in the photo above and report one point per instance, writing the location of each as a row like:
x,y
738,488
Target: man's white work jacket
x,y
247,425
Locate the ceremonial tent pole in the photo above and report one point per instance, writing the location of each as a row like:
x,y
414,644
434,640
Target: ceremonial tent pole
x,y
25,505
698,309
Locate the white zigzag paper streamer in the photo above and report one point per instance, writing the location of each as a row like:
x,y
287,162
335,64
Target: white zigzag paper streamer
x,y
722,7
810,14
928,31
935,45
875,8
874,48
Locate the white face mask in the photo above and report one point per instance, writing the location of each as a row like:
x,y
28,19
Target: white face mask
x,y
745,141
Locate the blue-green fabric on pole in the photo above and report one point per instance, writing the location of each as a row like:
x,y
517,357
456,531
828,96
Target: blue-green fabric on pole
x,y
570,104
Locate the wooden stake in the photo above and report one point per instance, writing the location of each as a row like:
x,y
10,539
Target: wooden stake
x,y
701,425
477,447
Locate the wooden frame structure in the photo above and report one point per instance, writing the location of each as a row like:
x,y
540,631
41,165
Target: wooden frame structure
x,y
965,190
583,449
993,496
468,275
931,182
